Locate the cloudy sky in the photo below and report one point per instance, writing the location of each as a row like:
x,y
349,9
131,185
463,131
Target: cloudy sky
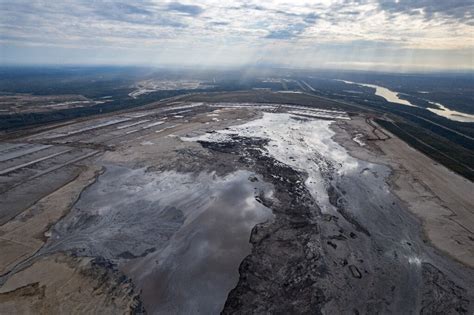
x,y
360,34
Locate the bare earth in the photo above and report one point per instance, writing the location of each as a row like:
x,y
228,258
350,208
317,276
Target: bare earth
x,y
63,251
442,199
59,284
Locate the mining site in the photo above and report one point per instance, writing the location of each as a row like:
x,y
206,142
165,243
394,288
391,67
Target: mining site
x,y
225,205
183,157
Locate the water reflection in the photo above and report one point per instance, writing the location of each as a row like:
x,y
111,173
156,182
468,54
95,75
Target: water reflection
x,y
199,266
388,95
180,237
441,110
451,114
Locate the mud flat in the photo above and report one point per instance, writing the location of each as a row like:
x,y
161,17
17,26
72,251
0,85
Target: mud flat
x,y
57,283
442,199
179,237
146,197
232,207
341,241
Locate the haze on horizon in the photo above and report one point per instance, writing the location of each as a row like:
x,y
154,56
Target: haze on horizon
x,y
401,35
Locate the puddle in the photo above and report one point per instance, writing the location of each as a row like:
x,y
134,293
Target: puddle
x,y
180,237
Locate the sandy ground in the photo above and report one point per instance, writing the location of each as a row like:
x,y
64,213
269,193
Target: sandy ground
x,y
56,284
23,236
59,284
442,199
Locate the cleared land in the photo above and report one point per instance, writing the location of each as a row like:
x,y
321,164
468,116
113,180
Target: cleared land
x,y
25,103
441,198
153,209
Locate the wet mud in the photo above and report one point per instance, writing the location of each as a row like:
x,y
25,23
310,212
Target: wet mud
x,y
365,255
270,215
179,237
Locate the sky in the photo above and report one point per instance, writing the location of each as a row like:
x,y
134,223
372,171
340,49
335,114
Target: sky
x,y
398,35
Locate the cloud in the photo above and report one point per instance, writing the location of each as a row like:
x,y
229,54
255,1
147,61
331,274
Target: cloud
x,y
231,29
460,10
248,6
217,23
311,18
188,9
290,32
148,13
131,9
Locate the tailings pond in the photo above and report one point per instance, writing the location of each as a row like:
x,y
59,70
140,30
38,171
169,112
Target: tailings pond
x,y
179,237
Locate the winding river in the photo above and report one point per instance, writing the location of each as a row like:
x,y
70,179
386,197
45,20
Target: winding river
x,y
392,97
